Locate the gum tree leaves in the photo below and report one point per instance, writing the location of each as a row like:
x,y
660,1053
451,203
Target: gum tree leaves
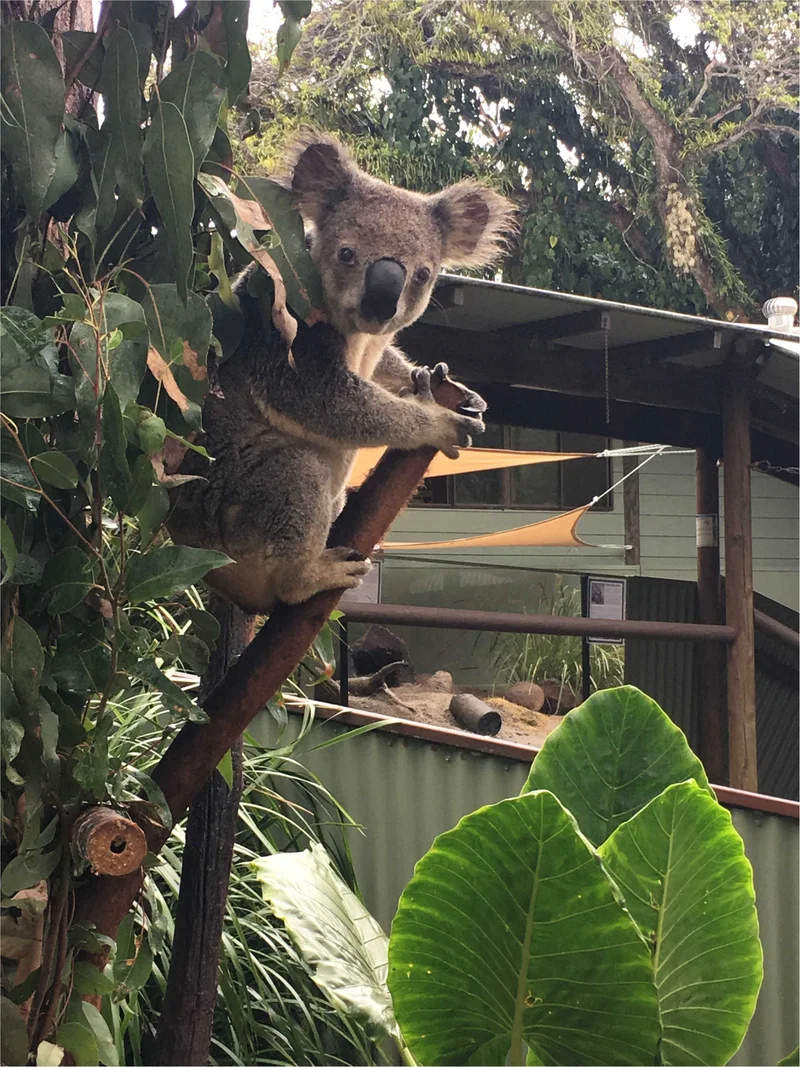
x,y
196,87
610,757
180,335
119,84
30,384
163,571
68,576
681,867
510,932
169,163
33,108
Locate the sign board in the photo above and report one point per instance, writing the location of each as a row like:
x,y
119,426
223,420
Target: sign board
x,y
606,600
369,592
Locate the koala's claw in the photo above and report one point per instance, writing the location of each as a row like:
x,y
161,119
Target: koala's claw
x,y
421,377
439,373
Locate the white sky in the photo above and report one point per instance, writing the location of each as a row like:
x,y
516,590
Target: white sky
x,y
265,16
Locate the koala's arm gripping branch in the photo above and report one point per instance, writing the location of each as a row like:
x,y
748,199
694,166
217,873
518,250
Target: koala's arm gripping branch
x,y
263,668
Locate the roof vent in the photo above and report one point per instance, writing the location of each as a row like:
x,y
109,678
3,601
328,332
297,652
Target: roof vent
x,y
780,313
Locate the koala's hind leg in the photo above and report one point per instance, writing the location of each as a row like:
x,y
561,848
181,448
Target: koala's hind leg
x,y
303,575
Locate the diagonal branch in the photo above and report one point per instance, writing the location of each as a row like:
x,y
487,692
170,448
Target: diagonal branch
x,y
261,670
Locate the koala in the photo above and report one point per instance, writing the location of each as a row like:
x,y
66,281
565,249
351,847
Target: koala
x,y
284,433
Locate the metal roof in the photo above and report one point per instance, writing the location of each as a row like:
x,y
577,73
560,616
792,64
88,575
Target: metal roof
x,y
490,306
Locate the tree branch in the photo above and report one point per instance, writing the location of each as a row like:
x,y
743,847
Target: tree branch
x,y
262,669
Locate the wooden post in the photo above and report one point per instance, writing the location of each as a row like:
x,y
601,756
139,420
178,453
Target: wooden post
x,y
630,507
739,570
713,734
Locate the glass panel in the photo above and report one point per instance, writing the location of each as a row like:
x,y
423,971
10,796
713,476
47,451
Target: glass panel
x,y
482,487
583,479
536,486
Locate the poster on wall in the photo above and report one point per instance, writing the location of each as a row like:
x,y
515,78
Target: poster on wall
x,y
606,600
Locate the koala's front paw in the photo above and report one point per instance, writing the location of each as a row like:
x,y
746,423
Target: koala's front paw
x,y
346,567
473,404
460,430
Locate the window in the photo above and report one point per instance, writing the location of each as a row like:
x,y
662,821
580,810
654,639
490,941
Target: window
x,y
543,486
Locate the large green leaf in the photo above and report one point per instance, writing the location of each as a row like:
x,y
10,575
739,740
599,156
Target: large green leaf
x,y
237,69
164,571
119,85
687,883
610,757
511,931
23,661
114,469
333,930
196,87
169,162
33,108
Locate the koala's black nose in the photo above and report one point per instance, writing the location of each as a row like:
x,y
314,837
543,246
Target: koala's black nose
x,y
382,288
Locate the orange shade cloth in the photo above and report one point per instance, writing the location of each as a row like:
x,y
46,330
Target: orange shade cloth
x,y
558,532
469,461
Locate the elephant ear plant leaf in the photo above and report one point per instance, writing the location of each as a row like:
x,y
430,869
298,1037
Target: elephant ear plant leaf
x,y
681,867
511,932
610,757
333,930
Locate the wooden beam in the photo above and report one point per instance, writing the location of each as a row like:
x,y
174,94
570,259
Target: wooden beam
x,y
681,344
713,740
739,571
557,328
630,506
514,360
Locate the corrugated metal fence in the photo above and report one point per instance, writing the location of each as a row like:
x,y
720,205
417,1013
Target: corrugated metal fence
x,y
405,791
667,671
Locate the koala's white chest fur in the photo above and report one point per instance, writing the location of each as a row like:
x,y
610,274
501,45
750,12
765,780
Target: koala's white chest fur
x,y
363,352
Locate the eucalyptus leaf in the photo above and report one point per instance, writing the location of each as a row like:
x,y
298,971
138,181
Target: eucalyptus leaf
x,y
67,169
196,87
79,1041
8,549
91,769
68,576
29,867
238,66
181,334
335,933
511,932
81,664
114,467
173,697
11,729
13,1032
610,757
191,651
106,1049
23,661
54,468
205,625
300,275
687,883
119,84
161,572
169,163
76,44
33,108
153,512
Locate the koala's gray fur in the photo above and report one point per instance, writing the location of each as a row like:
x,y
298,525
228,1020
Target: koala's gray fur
x,y
284,437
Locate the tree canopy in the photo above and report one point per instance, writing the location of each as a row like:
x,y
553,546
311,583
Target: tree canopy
x,y
650,144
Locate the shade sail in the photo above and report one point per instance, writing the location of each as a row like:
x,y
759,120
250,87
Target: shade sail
x,y
469,461
558,532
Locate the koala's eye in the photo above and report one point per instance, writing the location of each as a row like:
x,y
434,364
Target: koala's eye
x,y
346,255
422,275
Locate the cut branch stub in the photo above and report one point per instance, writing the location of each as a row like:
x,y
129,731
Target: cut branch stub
x,y
110,843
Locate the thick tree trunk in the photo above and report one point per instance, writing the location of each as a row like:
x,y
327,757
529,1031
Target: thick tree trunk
x,y
187,1016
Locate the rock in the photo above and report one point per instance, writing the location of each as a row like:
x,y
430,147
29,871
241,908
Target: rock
x,y
507,708
439,682
527,694
559,698
378,648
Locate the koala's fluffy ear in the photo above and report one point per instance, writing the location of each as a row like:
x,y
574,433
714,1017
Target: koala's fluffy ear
x,y
475,223
319,171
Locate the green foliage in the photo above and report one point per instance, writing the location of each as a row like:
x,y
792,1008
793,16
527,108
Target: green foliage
x,y
519,941
106,326
427,93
